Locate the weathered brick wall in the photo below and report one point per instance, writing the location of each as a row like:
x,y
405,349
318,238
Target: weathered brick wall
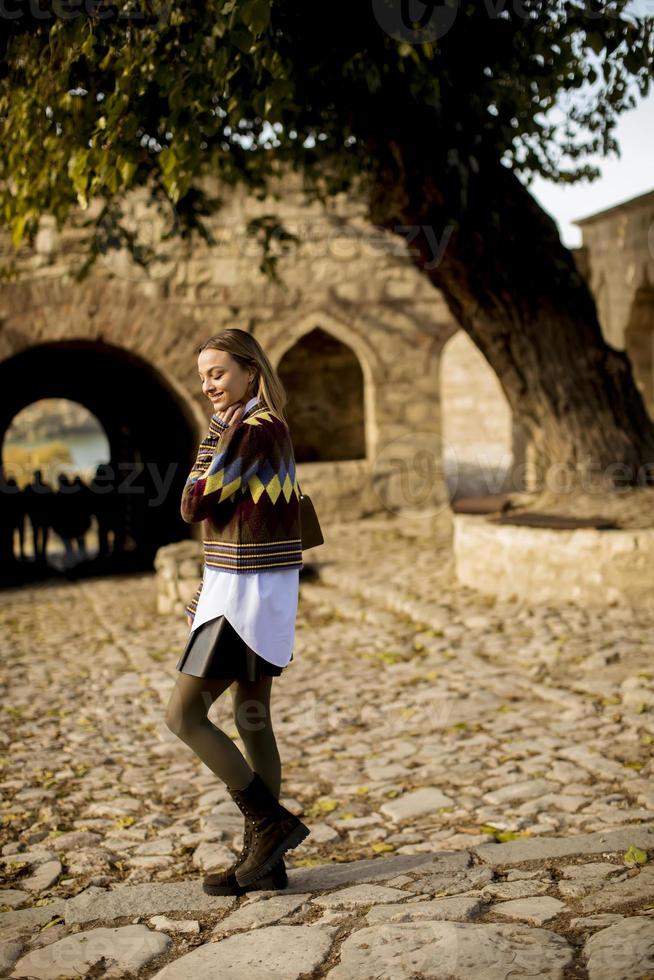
x,y
355,331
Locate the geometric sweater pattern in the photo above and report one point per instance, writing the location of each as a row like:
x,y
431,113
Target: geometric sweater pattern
x,y
243,487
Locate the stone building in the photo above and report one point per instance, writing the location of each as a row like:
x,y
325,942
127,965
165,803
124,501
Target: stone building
x,y
390,404
617,256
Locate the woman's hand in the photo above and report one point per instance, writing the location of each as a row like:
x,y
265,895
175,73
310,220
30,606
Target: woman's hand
x,y
231,414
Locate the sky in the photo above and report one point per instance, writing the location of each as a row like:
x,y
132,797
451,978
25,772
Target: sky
x,y
621,177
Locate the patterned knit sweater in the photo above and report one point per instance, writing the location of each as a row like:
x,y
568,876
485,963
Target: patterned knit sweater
x,y
243,487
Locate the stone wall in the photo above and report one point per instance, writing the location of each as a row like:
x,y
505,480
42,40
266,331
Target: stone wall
x,y
586,565
355,332
619,250
619,243
478,446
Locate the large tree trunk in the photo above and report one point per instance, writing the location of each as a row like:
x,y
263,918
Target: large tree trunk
x,y
511,284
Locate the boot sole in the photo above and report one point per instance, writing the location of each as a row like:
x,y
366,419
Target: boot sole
x,y
292,840
237,889
223,889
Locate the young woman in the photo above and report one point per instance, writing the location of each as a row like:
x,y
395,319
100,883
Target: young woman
x,y
243,487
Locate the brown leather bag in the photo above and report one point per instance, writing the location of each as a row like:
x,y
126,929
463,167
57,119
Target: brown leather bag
x,y
310,525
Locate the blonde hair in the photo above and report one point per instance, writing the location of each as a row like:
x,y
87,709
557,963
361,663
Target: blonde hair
x,y
247,350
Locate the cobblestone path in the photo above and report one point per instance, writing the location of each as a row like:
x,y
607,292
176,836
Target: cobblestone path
x,y
420,724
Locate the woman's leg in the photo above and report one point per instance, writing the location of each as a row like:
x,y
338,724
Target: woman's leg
x,y
254,724
186,717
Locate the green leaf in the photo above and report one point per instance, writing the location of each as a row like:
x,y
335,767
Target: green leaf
x,y
261,103
53,922
167,160
256,15
635,856
78,173
127,169
17,228
112,179
242,39
108,58
172,188
87,47
502,836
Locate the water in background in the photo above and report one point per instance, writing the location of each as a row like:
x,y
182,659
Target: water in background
x,y
86,449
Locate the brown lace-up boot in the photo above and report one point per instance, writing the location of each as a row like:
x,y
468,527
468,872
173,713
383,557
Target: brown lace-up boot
x,y
225,883
275,829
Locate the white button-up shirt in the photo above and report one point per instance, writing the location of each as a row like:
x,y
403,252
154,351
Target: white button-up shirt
x,y
261,606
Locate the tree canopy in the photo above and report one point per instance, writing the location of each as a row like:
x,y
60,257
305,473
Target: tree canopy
x,y
97,99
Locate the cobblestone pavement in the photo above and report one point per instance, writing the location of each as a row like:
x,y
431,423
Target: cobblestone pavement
x,y
476,775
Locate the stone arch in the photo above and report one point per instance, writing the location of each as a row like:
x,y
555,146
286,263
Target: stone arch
x,y
112,312
477,422
149,427
639,342
347,431
325,412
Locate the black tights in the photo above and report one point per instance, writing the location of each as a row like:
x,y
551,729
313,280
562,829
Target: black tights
x,y
186,717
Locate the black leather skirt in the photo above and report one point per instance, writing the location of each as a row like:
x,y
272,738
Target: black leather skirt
x,y
215,649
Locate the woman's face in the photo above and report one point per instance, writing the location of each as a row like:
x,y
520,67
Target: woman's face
x,y
224,381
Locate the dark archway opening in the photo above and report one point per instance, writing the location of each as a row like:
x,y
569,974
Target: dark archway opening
x,y
150,433
326,408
